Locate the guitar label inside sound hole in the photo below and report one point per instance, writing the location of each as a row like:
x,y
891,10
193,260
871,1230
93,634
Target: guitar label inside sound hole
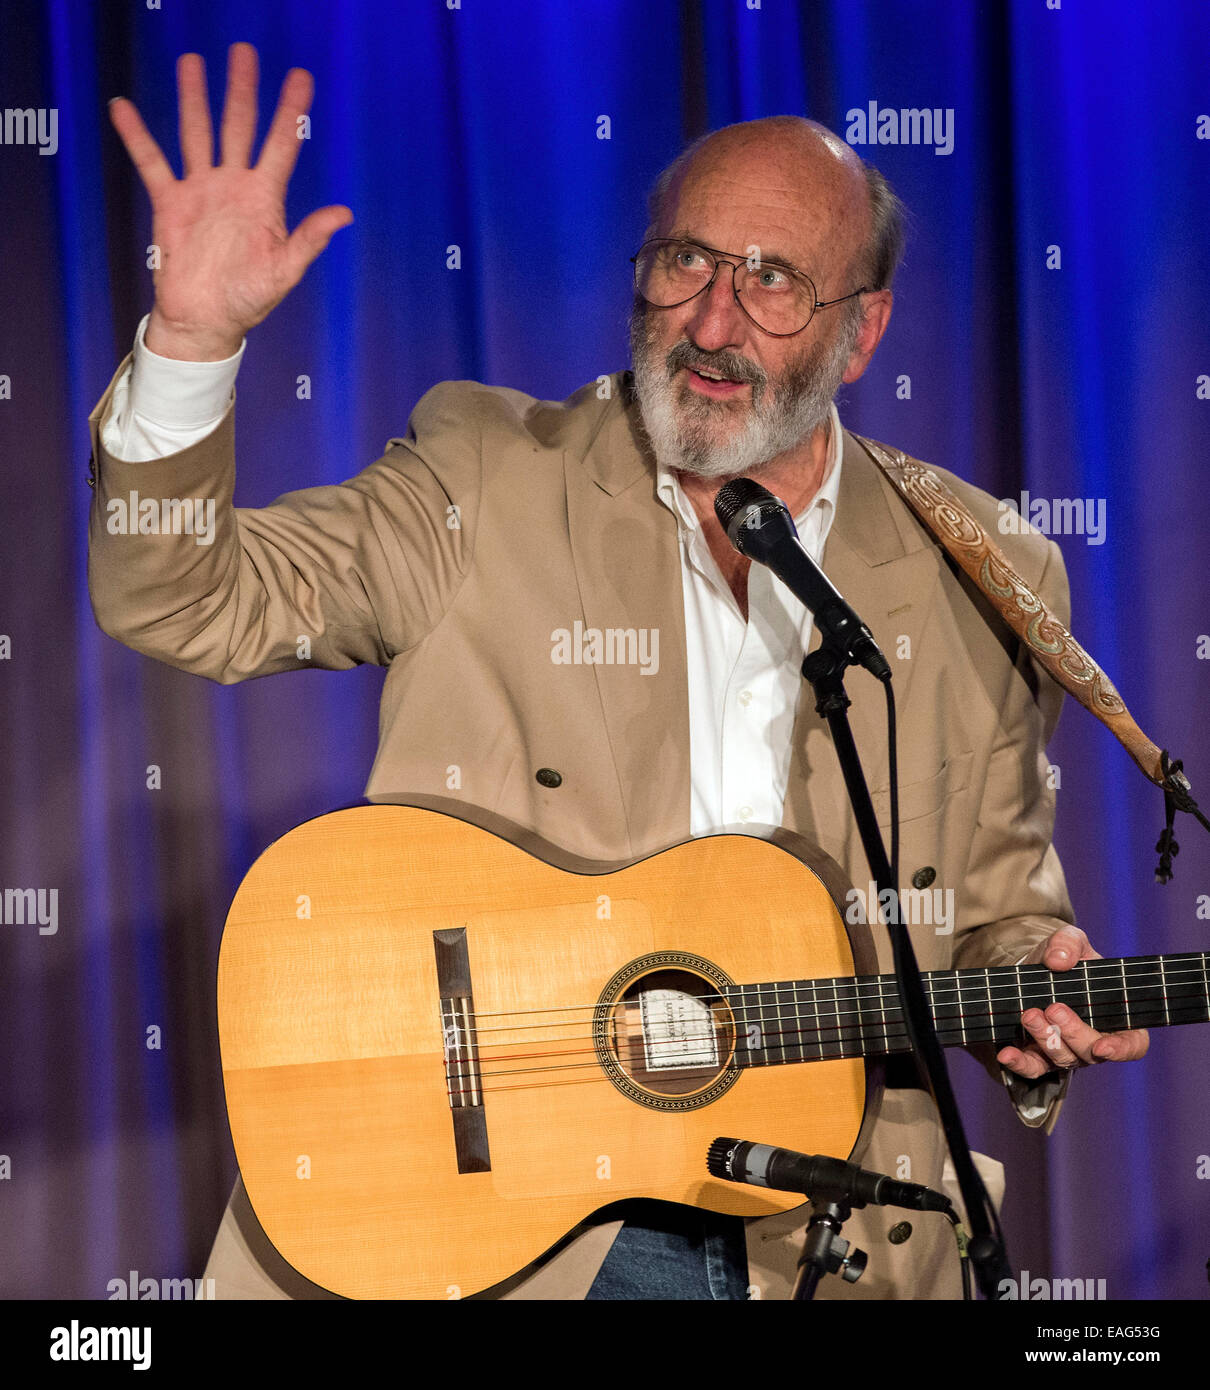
x,y
678,1030
664,1032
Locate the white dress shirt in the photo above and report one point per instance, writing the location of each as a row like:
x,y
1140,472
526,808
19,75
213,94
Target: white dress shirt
x,y
744,678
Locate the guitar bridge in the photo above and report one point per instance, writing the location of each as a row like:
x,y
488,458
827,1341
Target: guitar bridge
x,y
460,1051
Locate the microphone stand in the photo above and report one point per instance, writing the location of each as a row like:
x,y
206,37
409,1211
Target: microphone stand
x,y
824,671
823,1250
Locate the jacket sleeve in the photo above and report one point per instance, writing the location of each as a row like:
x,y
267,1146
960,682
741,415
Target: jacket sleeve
x,y
1012,847
330,576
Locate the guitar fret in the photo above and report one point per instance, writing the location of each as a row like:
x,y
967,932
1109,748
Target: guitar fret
x,y
1148,994
785,1010
1071,988
947,1016
841,1048
789,1018
1125,991
756,1029
763,1032
857,1003
897,1014
961,1008
796,1022
780,1025
991,1010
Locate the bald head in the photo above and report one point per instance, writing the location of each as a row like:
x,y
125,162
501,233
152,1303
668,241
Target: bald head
x,y
799,182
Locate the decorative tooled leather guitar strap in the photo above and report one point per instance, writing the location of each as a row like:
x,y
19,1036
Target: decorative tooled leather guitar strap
x,y
950,520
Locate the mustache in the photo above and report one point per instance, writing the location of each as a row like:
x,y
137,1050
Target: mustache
x,y
723,363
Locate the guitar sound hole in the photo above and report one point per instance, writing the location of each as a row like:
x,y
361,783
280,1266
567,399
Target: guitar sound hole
x,y
671,1033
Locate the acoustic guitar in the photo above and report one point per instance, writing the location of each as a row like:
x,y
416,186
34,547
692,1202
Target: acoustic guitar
x,y
446,1044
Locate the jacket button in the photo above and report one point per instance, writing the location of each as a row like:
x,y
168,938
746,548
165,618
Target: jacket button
x,y
923,877
899,1233
548,777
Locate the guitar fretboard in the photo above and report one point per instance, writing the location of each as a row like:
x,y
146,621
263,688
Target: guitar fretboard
x,y
816,1020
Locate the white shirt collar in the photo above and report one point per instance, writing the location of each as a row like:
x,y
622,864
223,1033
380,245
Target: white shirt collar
x,y
670,492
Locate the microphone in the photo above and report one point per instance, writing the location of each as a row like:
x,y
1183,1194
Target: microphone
x,y
760,526
817,1176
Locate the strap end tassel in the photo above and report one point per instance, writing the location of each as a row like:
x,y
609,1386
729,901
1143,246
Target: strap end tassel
x,y
1166,846
1177,797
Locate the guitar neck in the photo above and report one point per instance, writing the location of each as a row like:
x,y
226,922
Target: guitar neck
x,y
818,1020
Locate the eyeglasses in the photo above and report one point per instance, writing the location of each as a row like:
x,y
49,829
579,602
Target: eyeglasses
x,y
779,300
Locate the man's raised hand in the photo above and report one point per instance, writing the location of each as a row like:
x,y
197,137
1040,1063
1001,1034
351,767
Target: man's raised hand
x,y
226,259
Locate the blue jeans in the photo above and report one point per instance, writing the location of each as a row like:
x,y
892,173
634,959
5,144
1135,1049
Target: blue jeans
x,y
674,1252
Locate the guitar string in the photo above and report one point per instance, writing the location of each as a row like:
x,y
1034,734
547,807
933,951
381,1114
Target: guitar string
x,y
748,997
595,1066
810,1009
933,980
856,1032
814,1008
830,1020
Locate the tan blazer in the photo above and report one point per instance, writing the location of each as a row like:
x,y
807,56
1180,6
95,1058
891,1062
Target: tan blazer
x,y
498,520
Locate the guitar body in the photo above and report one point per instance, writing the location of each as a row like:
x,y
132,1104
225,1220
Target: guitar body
x,y
436,1058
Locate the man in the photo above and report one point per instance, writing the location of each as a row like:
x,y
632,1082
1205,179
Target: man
x,y
763,284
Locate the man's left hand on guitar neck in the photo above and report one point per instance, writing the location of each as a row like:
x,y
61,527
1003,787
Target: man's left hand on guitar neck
x,y
1061,1039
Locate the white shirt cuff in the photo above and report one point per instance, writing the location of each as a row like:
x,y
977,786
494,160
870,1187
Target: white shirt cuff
x,y
181,395
161,405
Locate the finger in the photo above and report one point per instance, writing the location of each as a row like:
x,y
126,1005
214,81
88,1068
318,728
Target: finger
x,y
1049,1039
1024,1062
1127,1046
1078,1036
239,108
1066,948
193,104
145,154
279,154
311,236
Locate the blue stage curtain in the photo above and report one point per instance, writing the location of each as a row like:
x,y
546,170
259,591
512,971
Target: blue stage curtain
x,y
1049,338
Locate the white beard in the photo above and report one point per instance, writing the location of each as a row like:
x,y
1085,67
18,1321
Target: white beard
x,y
679,424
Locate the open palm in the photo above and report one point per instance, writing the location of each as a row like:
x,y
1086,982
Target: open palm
x,y
226,258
